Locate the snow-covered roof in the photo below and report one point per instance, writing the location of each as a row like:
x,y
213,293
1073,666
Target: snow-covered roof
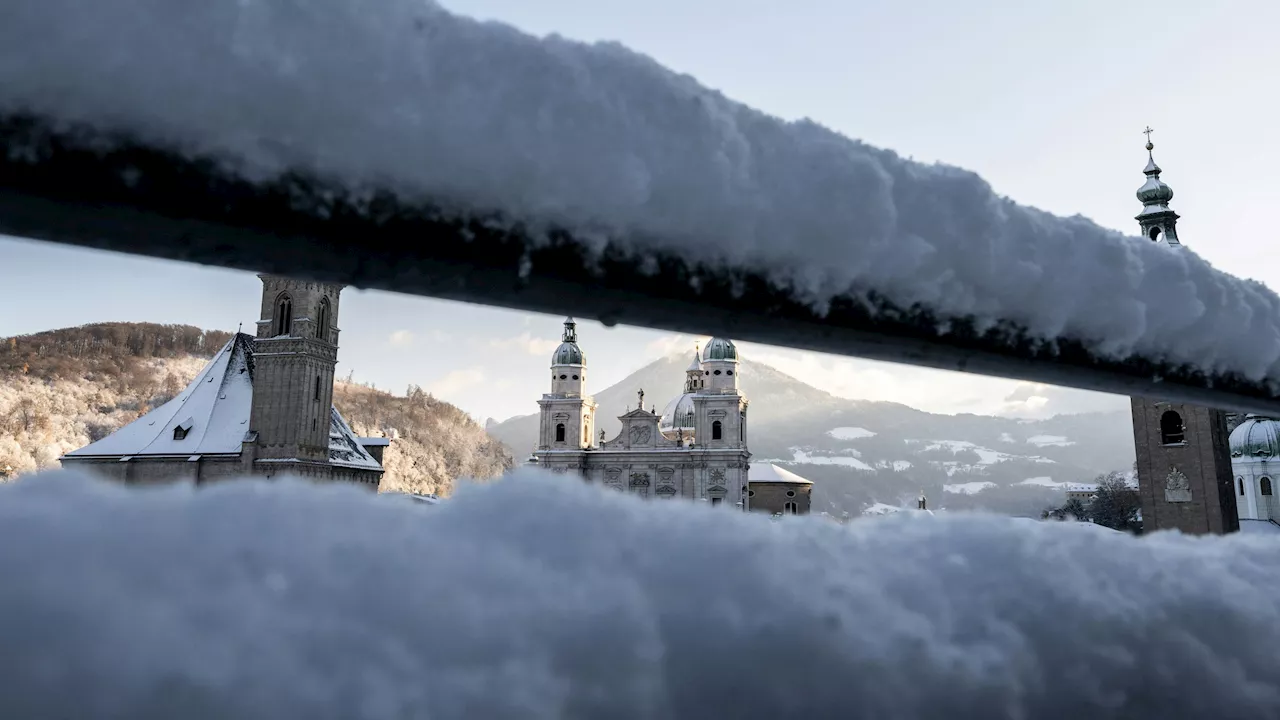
x,y
770,473
344,447
213,410
374,441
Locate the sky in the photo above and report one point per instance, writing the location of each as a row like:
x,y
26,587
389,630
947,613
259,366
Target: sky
x,y
1046,100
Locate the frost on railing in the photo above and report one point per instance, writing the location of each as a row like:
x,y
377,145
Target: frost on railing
x,y
438,155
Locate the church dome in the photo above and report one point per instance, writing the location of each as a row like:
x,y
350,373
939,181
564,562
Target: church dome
x,y
1154,191
720,349
678,415
1257,436
569,354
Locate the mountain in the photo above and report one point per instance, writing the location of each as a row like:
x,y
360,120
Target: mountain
x,y
62,389
865,456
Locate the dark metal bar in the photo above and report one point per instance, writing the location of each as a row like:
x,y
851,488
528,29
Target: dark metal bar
x,y
76,186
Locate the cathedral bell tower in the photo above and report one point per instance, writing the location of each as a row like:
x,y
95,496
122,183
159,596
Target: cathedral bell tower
x,y
567,420
1183,456
294,356
720,411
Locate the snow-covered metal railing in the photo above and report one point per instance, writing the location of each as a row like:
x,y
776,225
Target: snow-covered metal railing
x,y
440,156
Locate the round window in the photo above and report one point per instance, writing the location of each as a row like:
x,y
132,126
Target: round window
x,y
575,377
791,493
717,372
728,372
562,377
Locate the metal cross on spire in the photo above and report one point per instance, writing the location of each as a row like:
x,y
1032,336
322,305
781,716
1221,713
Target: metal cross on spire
x,y
1148,132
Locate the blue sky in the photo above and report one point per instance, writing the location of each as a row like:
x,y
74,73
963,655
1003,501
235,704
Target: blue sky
x,y
1046,100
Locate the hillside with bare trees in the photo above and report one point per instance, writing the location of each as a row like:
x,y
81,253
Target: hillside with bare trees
x,y
62,389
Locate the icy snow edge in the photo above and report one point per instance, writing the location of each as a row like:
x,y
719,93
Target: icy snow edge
x,y
480,117
536,597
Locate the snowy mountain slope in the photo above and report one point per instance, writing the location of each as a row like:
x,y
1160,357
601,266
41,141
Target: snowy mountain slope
x,y
859,453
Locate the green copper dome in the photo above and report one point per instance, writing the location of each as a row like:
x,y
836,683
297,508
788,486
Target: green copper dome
x,y
1256,437
720,349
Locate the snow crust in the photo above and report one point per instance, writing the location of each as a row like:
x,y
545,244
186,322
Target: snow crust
x,y
536,598
606,142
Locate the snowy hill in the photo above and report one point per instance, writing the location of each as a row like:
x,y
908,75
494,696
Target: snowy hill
x,y
62,389
862,454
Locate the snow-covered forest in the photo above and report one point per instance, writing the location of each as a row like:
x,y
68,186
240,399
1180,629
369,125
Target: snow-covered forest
x,y
62,389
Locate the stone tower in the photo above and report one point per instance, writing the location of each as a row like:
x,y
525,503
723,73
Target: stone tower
x,y
294,356
567,420
1183,456
719,409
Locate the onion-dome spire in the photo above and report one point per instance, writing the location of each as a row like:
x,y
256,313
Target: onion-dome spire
x,y
1156,219
693,373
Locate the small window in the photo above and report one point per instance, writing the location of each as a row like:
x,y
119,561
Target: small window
x,y
706,372
715,501
789,508
179,433
1265,485
284,315
564,377
322,320
316,394
791,493
717,430
1172,431
1154,234
728,372
560,432
313,424
751,493
717,372
1240,481
575,377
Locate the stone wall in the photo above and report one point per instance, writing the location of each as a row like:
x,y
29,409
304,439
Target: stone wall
x,y
770,497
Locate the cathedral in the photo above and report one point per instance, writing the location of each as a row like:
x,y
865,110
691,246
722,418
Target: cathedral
x,y
262,406
1184,452
696,449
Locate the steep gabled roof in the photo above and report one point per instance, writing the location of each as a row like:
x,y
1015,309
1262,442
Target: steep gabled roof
x,y
213,411
344,447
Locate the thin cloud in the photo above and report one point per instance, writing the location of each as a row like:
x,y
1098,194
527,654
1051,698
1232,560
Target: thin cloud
x,y
526,343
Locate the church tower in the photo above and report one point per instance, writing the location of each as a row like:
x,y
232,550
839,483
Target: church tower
x,y
293,361
567,420
1183,457
720,411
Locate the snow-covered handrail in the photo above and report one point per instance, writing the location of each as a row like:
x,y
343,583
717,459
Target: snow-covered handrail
x,y
408,149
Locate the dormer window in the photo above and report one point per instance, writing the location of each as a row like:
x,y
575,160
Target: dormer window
x,y
181,430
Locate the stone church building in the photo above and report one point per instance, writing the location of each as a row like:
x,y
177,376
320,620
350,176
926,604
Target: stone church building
x,y
1184,456
695,449
262,406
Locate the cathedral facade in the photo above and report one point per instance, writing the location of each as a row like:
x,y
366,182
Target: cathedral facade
x,y
262,406
1184,459
695,449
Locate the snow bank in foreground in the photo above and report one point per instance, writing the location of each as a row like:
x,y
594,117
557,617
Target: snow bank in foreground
x,y
609,143
536,597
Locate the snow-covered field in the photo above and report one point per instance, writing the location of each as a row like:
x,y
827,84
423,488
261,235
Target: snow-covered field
x,y
1049,441
528,598
619,150
850,433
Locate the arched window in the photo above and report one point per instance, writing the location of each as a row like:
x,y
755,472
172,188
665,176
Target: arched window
x,y
1265,485
789,508
317,392
1240,481
322,320
1171,429
717,430
560,432
1154,234
284,315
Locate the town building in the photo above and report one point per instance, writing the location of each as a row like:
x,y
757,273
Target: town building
x,y
1183,457
262,406
696,448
